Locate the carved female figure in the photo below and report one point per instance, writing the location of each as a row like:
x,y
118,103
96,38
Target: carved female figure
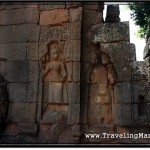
x,y
55,72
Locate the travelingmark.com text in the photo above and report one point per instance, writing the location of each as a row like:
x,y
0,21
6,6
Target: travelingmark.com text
x,y
118,135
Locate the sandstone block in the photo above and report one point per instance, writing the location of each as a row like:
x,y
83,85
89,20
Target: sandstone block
x,y
32,51
2,66
27,128
122,93
75,14
13,51
73,4
111,32
33,71
76,30
91,18
69,71
122,114
76,71
119,52
76,50
19,33
19,16
53,133
66,136
74,92
73,114
16,71
66,30
23,112
51,5
52,116
54,17
18,5
124,71
32,92
42,50
139,70
17,92
140,91
94,6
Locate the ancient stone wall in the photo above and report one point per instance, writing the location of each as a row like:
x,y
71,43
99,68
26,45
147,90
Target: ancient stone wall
x,y
66,71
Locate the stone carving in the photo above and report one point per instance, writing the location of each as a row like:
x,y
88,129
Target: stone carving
x,y
102,77
54,72
3,101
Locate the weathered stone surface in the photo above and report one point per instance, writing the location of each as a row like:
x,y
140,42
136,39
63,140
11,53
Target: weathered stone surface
x,y
17,5
13,51
10,129
76,31
73,4
119,52
122,114
76,50
99,74
110,32
122,93
71,31
32,92
147,61
113,13
140,91
90,18
139,70
2,66
56,33
53,133
17,92
76,71
42,50
33,71
45,33
52,116
54,17
65,93
32,51
43,128
66,136
94,5
27,128
69,71
75,14
66,30
140,114
84,113
19,33
48,33
76,130
146,52
23,112
51,5
74,92
94,110
45,91
73,114
88,67
124,71
148,72
16,71
19,16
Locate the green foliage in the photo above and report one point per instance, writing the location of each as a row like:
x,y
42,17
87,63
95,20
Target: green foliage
x,y
140,13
